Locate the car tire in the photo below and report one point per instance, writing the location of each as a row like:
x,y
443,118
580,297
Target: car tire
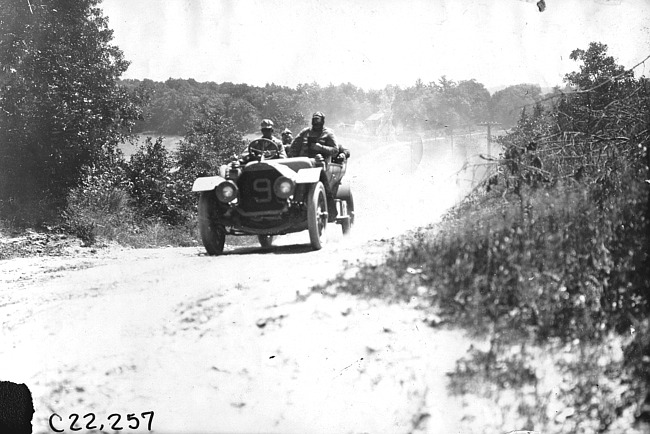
x,y
213,233
346,224
266,241
345,196
317,215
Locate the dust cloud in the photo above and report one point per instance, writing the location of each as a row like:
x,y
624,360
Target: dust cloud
x,y
394,193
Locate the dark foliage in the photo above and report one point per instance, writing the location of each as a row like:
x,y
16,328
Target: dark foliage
x,y
175,103
61,108
507,104
445,103
442,104
150,173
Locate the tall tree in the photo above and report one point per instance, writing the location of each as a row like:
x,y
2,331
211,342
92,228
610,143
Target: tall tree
x,y
507,104
472,101
210,141
599,82
597,69
61,108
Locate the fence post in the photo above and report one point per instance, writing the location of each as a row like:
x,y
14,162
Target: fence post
x,y
489,135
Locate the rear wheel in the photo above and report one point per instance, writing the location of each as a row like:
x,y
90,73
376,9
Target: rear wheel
x,y
347,207
266,241
351,209
317,215
346,223
213,233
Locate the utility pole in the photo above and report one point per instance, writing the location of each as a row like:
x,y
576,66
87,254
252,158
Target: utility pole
x,y
489,126
451,135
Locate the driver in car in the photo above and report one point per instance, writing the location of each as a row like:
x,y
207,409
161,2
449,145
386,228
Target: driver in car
x,y
267,133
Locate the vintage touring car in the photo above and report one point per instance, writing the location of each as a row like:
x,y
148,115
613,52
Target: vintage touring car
x,y
269,196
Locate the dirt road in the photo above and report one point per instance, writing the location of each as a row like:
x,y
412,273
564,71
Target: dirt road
x,y
240,342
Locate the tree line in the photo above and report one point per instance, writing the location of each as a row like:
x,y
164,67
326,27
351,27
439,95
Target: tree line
x,y
64,109
173,104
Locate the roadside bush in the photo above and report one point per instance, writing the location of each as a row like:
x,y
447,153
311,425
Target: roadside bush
x,y
100,203
103,210
152,183
20,213
148,201
211,140
556,254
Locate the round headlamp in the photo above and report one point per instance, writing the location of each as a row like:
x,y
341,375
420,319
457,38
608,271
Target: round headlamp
x,y
283,187
226,191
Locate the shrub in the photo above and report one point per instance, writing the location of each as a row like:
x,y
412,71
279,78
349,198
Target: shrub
x,y
557,252
153,183
100,204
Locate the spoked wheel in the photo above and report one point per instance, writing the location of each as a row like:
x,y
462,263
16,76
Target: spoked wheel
x,y
348,207
213,233
266,241
317,215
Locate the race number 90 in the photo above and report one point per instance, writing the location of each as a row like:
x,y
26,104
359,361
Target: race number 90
x,y
263,185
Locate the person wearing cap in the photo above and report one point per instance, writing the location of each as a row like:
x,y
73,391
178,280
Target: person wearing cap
x,y
315,140
267,133
287,139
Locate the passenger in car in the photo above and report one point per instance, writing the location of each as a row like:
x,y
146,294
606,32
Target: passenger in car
x,y
320,140
287,139
344,154
315,140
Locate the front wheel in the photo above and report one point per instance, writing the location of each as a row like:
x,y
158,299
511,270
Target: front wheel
x,y
213,233
317,215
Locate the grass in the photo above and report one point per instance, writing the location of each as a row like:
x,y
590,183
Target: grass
x,y
547,272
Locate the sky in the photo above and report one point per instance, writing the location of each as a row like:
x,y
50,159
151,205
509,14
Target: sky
x,y
375,43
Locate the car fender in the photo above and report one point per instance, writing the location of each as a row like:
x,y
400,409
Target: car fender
x,y
343,191
207,183
308,176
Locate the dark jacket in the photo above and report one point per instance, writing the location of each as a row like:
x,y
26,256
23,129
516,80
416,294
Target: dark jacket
x,y
311,142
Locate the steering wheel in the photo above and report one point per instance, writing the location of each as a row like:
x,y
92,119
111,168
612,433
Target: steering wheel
x,y
265,147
